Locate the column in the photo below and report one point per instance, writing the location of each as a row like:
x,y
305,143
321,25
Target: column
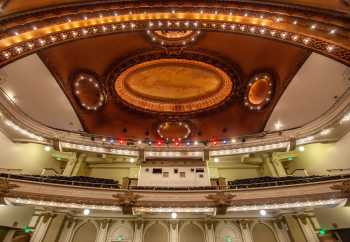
x,y
67,231
209,230
102,230
9,235
174,231
138,231
79,163
307,228
245,228
41,228
281,231
68,170
278,166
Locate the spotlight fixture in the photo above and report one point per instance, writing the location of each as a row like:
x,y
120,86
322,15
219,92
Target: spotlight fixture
x,y
216,160
47,148
263,212
132,160
301,148
278,125
86,211
325,132
173,215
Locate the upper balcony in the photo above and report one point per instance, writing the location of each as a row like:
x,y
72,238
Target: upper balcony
x,y
100,194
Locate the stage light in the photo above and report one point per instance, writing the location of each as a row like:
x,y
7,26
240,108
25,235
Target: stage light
x,y
47,148
173,215
301,148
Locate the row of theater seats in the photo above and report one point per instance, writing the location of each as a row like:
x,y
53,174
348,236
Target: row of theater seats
x,y
268,181
67,180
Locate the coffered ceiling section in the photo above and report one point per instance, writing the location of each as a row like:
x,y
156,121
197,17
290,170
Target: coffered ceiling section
x,y
204,85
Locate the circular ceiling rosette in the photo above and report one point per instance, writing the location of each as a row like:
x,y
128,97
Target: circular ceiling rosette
x,y
259,91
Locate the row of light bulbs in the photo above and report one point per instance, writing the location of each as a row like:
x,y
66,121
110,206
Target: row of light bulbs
x,y
41,42
261,208
229,13
317,203
21,130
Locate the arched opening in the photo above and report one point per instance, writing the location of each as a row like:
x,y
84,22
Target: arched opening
x,y
228,233
86,232
261,232
191,233
121,234
156,233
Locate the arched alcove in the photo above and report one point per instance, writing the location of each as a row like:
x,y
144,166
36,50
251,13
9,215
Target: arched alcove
x,y
227,233
156,232
120,233
191,232
86,232
262,232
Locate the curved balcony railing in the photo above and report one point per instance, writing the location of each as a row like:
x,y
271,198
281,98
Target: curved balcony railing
x,y
106,183
20,189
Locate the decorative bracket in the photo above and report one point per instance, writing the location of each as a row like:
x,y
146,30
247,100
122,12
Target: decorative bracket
x,y
5,188
344,188
222,201
127,200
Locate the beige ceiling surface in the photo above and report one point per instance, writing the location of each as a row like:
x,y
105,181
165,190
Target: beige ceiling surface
x,y
317,86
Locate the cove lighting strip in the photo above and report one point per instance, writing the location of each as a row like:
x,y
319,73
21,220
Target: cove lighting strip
x,y
21,201
100,149
306,140
249,149
173,210
319,203
171,154
22,130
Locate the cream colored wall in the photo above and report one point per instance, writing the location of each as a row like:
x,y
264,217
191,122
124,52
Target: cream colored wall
x,y
31,158
262,232
109,173
156,233
327,216
232,173
9,215
54,229
86,233
317,158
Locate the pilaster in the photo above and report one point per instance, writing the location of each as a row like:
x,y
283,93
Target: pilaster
x,y
281,231
41,228
138,231
174,231
246,233
102,230
209,230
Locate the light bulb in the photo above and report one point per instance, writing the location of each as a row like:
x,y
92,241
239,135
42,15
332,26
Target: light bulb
x,y
173,215
86,211
262,212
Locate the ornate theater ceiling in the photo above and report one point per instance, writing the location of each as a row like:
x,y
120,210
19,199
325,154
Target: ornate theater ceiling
x,y
176,70
202,84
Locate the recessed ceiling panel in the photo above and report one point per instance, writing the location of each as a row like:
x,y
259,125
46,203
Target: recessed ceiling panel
x,y
173,86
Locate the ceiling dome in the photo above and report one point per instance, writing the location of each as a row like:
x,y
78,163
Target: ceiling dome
x,y
173,85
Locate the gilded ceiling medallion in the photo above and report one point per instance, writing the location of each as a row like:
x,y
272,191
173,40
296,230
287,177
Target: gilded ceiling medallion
x,y
173,130
88,91
259,91
175,86
173,38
